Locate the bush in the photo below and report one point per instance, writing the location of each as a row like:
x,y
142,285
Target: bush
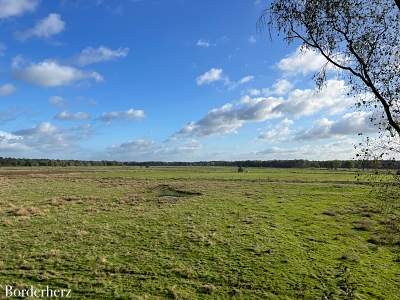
x,y
240,170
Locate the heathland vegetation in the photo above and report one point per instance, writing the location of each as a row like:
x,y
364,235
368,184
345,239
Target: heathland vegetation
x,y
198,233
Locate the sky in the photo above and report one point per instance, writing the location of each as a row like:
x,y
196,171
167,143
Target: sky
x,y
178,80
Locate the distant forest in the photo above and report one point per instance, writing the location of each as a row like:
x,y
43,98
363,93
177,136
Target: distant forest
x,y
297,163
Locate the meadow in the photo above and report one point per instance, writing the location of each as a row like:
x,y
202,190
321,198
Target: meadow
x,y
197,233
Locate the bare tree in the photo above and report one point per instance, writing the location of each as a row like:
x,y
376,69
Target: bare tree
x,y
360,38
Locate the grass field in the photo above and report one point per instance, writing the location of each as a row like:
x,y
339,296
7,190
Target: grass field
x,y
196,233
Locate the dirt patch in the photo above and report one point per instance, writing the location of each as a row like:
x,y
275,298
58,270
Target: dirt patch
x,y
167,194
167,190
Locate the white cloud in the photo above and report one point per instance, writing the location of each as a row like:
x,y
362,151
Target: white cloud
x,y
66,116
343,149
349,124
211,76
95,55
203,43
234,84
10,142
7,89
130,114
246,79
8,136
302,61
42,128
230,117
45,137
45,140
45,28
280,88
13,8
215,75
50,73
332,97
278,133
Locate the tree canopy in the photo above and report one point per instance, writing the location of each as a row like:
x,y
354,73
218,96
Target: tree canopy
x,y
359,39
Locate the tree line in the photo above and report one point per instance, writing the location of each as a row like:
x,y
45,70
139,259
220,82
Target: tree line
x,y
297,163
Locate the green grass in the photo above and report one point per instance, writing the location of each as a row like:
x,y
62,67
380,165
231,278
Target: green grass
x,y
196,233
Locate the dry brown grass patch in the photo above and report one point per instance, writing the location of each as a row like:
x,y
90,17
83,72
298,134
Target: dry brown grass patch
x,y
363,225
25,211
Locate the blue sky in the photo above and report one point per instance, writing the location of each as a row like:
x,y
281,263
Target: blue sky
x,y
163,80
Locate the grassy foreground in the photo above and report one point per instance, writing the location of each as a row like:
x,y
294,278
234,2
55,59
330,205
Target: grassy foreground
x,y
195,233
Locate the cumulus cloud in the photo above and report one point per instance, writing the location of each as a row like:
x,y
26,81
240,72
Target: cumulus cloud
x,y
215,75
50,73
349,124
101,54
211,76
67,116
280,88
45,28
44,136
278,133
332,97
130,114
11,142
302,61
46,140
13,8
335,150
42,128
7,89
230,117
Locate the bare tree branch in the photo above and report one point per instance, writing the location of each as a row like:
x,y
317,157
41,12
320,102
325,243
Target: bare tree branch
x,y
397,3
359,37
